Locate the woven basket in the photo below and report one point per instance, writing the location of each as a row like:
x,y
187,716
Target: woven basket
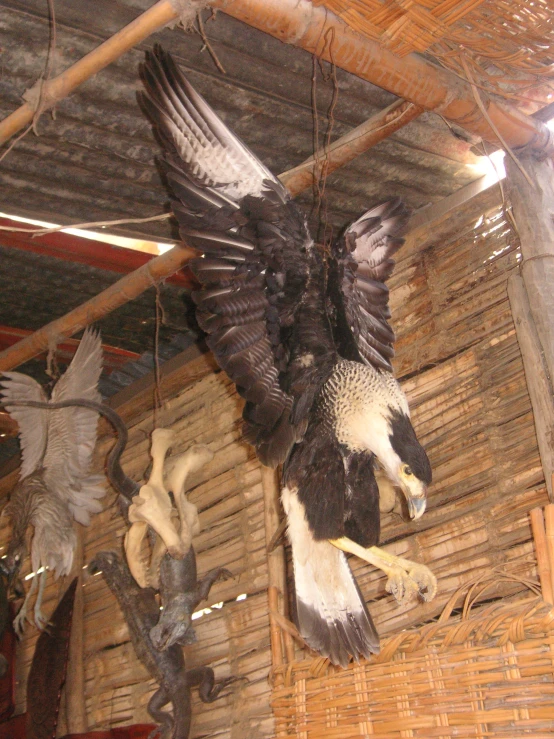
x,y
485,675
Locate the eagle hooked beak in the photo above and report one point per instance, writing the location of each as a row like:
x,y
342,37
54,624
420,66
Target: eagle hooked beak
x,y
416,506
415,491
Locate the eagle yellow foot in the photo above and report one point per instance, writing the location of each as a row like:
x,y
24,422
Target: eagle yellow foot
x,y
406,579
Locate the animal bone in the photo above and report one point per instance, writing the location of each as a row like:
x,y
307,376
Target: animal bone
x,y
152,506
133,546
178,469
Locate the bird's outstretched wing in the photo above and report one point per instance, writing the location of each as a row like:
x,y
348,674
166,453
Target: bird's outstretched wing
x,y
72,431
363,263
256,251
33,422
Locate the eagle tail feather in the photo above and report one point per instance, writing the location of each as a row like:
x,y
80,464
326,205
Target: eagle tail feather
x,y
332,616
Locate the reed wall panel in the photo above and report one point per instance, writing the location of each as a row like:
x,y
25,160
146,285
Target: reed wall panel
x,y
459,362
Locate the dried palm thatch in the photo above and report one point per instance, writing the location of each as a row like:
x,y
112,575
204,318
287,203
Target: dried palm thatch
x,y
507,44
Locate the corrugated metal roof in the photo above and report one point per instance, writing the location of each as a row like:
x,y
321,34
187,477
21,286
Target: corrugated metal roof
x,y
97,159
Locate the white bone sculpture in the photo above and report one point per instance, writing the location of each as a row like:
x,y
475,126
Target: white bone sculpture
x,y
152,507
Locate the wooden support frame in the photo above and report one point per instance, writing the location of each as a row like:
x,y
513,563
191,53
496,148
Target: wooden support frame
x,y
282,646
538,382
531,293
308,26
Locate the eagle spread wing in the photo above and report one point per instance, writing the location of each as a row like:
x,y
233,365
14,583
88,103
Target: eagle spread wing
x,y
256,246
363,263
281,318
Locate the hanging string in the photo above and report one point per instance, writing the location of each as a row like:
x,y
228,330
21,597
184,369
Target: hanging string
x,y
157,399
42,82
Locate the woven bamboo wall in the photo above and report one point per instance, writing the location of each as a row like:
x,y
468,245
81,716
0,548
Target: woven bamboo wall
x,y
462,370
461,367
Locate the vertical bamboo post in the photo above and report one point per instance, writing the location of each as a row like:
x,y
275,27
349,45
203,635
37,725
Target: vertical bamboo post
x,y
538,381
276,566
541,548
549,523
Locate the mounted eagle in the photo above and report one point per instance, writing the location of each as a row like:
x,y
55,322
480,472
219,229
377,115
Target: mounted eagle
x,y
305,338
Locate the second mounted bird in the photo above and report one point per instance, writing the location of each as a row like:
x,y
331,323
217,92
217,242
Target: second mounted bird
x,y
56,486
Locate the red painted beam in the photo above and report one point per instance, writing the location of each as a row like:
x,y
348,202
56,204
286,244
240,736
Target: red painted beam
x,y
114,357
72,248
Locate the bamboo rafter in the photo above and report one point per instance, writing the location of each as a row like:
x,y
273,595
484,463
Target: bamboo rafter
x,y
308,26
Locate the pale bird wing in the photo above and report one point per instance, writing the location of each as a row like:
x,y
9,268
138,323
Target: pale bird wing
x,y
33,422
72,431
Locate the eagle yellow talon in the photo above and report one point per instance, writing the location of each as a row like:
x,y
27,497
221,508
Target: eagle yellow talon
x,y
401,586
405,578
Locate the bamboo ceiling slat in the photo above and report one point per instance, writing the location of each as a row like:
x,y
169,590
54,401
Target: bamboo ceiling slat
x,y
514,38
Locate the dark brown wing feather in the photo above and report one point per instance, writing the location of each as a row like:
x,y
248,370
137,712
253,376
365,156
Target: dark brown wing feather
x,y
47,674
364,261
256,253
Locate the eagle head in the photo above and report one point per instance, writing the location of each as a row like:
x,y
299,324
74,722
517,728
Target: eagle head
x,y
369,413
407,463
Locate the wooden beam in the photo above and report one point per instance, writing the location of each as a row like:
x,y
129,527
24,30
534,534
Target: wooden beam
x,y
303,24
61,86
317,30
536,375
114,356
351,145
281,642
75,706
533,209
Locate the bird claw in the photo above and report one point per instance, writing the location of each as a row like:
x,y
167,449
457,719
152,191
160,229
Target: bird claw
x,y
401,585
425,581
415,580
19,621
41,622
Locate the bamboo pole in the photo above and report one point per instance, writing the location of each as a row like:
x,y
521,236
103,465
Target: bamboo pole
x,y
61,86
532,201
541,548
75,707
319,31
549,525
275,632
303,24
351,145
536,374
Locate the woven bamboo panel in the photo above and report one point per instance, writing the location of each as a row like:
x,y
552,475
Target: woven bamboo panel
x,y
459,362
515,37
488,676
